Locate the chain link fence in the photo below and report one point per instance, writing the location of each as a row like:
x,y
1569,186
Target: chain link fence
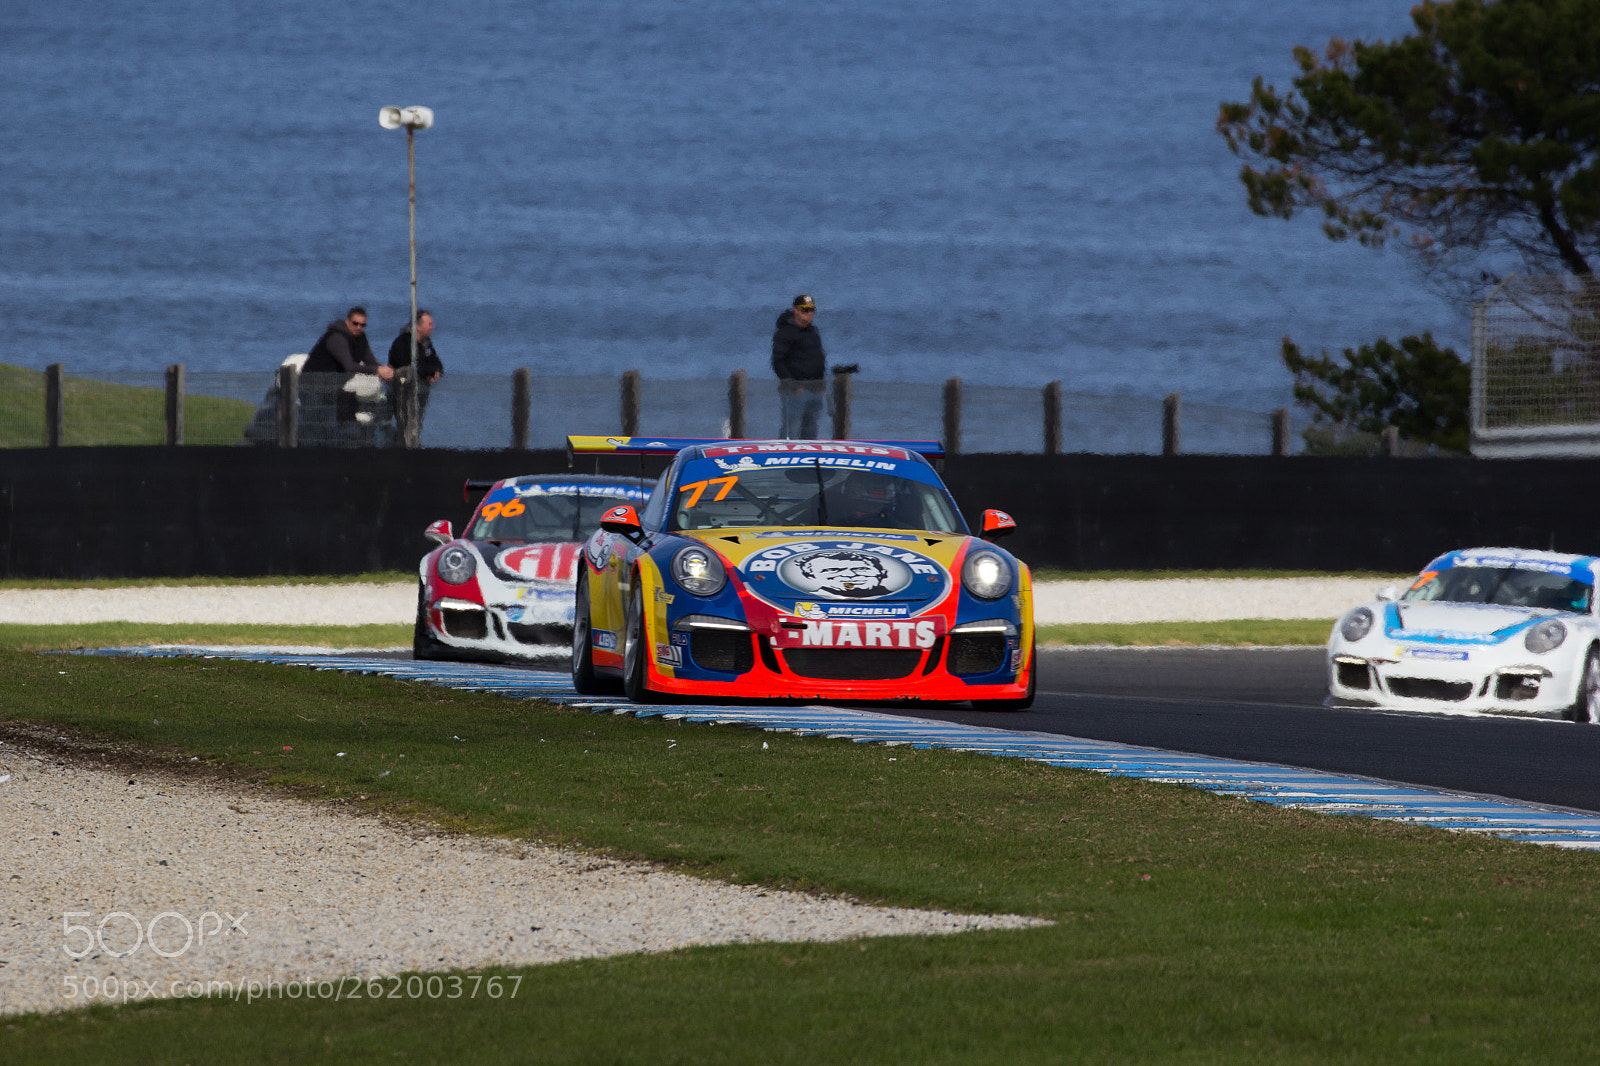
x,y
1536,368
476,411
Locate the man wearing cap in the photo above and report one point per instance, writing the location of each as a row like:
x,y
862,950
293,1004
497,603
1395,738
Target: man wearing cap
x,y
801,366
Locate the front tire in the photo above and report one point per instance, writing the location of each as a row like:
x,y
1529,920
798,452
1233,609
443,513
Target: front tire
x,y
424,646
1586,708
584,680
636,650
1018,704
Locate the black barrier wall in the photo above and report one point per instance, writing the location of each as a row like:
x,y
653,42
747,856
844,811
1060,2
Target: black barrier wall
x,y
70,513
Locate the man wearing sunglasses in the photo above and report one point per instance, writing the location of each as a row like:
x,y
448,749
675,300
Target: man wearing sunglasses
x,y
344,410
801,366
344,349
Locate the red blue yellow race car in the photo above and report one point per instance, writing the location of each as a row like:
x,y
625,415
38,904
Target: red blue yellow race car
x,y
503,589
825,570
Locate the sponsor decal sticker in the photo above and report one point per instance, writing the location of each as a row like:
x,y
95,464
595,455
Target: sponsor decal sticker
x,y
626,492
809,534
1503,562
816,633
541,562
604,638
842,570
808,449
1438,653
810,609
1016,658
851,462
667,655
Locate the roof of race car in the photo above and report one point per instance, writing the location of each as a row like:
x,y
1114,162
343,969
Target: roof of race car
x,y
1581,566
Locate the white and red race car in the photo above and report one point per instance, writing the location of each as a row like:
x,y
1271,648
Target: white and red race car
x,y
503,589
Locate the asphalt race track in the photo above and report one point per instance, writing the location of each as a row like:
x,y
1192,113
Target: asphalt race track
x,y
1265,705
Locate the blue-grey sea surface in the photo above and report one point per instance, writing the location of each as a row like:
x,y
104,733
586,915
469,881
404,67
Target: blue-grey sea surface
x,y
1009,191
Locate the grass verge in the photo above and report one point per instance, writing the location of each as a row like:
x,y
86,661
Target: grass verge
x,y
136,634
1248,633
1189,927
1053,574
102,413
381,577
1240,633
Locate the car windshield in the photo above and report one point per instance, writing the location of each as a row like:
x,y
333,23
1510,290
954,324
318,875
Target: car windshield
x,y
1506,586
543,517
813,495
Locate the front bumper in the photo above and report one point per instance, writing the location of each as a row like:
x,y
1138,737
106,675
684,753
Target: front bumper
x,y
495,631
1466,687
959,666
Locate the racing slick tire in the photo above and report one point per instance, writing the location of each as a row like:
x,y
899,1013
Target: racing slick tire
x,y
1019,704
635,651
424,647
1586,708
584,680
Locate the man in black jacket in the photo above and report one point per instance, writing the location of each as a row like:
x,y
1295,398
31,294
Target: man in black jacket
x,y
801,365
336,409
343,349
428,363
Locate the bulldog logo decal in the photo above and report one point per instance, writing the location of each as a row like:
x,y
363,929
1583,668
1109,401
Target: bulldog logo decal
x,y
842,570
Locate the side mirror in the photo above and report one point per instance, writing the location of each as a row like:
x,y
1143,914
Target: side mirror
x,y
440,532
1388,594
997,524
622,520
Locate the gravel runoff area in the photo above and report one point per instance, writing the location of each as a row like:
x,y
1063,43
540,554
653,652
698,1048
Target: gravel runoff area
x,y
237,885
1055,602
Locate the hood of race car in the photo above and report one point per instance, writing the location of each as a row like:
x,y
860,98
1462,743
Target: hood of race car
x,y
1456,622
842,573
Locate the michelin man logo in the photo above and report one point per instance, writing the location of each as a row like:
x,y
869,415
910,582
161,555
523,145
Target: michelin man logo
x,y
743,463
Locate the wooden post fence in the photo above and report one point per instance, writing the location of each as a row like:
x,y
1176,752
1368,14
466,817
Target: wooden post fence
x,y
521,401
175,387
952,416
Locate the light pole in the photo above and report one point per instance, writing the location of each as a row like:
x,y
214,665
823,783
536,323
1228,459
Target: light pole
x,y
413,119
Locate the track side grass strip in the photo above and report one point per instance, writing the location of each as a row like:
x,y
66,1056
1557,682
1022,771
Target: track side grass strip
x,y
1190,927
1247,632
380,577
138,634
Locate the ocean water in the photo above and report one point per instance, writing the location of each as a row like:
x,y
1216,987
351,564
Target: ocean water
x,y
1010,192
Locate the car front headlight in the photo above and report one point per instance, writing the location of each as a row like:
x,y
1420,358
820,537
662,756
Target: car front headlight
x,y
986,575
457,565
1356,624
699,570
1546,636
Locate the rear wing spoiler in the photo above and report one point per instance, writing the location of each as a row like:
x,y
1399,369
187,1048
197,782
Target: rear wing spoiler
x,y
477,484
581,445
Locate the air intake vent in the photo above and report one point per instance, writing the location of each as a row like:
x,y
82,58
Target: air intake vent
x,y
851,664
1427,688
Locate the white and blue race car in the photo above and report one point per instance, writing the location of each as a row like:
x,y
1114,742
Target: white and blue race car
x,y
1482,630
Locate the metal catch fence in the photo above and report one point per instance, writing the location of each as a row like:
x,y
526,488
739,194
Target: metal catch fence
x,y
523,410
1536,368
